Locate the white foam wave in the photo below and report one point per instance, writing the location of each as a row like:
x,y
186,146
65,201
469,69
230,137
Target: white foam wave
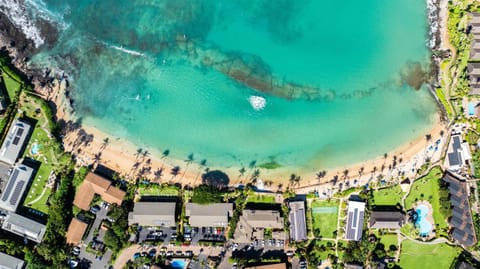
x,y
18,15
433,19
257,102
128,51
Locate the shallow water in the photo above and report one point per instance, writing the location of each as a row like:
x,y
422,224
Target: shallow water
x,y
159,73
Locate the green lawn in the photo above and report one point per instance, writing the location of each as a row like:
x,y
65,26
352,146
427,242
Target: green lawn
x,y
427,188
12,85
324,215
322,249
388,196
415,255
388,239
257,198
157,190
48,154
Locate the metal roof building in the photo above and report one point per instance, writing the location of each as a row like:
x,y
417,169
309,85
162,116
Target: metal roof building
x,y
153,214
10,262
298,226
355,216
15,187
14,143
209,215
387,220
24,227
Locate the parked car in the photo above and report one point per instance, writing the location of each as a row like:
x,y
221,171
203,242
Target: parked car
x,y
136,256
73,263
76,251
94,209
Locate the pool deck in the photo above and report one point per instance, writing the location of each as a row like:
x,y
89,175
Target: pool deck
x,y
429,217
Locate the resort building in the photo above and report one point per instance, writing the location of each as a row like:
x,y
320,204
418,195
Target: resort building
x,y
386,220
458,154
355,217
253,223
24,227
473,74
463,230
473,69
296,217
153,214
14,143
209,215
95,184
75,231
15,187
10,262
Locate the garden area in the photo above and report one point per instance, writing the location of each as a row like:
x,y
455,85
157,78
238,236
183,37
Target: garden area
x,y
414,255
154,189
324,218
320,250
42,148
428,188
388,196
260,198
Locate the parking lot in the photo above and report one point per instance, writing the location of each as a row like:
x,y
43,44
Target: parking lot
x,y
154,235
206,233
89,260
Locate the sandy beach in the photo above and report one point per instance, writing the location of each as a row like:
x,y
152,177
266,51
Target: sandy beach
x,y
91,146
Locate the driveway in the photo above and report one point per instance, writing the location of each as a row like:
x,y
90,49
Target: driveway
x,y
88,260
101,215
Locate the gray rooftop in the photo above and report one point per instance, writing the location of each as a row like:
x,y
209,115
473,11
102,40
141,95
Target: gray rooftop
x,y
209,215
461,220
14,142
455,157
24,227
387,220
263,218
15,187
153,214
10,262
298,227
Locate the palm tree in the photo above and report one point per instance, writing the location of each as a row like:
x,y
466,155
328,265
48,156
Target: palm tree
x,y
202,164
139,152
105,143
165,154
175,171
189,160
292,179
255,175
158,174
242,172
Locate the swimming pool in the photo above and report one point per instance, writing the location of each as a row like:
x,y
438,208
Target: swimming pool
x,y
178,264
35,148
424,225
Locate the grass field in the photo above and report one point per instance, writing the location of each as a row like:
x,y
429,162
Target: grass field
x,y
388,196
256,198
324,223
389,239
157,190
427,188
415,255
12,85
48,154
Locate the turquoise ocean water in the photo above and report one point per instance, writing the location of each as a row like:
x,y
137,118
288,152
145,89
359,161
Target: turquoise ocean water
x,y
139,71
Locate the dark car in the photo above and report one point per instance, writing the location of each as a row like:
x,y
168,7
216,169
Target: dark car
x,y
94,209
